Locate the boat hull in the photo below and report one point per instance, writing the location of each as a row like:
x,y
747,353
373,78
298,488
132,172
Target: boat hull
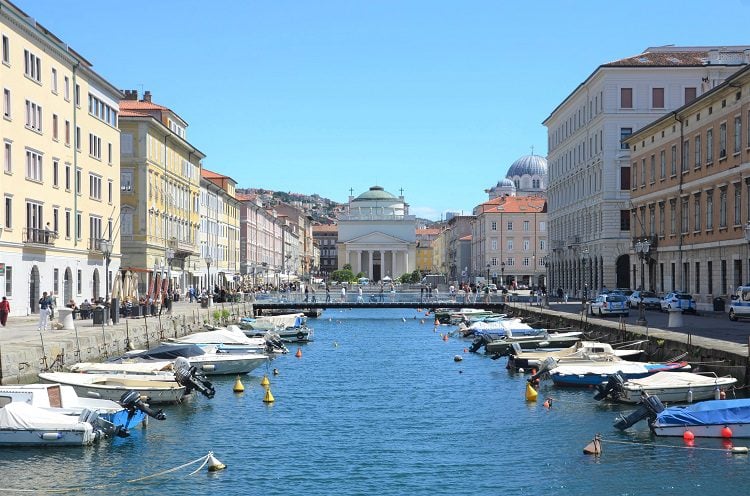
x,y
738,430
226,364
669,395
47,437
600,374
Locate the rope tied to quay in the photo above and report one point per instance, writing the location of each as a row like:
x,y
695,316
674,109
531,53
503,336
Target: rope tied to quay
x,y
207,459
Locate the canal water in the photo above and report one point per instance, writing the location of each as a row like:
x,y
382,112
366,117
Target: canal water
x,y
377,405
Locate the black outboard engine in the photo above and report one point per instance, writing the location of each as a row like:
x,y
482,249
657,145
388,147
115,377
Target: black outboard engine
x,y
613,388
187,375
132,401
275,345
478,342
649,407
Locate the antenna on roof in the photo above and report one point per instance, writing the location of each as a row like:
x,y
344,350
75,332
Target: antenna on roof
x,y
532,150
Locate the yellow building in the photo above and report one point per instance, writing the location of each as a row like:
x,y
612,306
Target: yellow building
x,y
425,238
219,229
160,181
60,172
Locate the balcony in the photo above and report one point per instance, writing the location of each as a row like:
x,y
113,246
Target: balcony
x,y
182,249
39,236
95,244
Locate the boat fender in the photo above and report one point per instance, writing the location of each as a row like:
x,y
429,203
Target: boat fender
x,y
51,436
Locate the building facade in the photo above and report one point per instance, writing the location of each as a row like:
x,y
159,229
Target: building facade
x,y
160,195
326,237
690,190
219,229
589,165
377,236
60,177
426,236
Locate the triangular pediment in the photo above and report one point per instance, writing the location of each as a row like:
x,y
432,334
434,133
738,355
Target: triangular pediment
x,y
376,238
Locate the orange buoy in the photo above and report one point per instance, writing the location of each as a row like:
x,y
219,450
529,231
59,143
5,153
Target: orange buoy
x,y
466,350
547,403
726,432
445,337
299,353
594,447
688,436
437,322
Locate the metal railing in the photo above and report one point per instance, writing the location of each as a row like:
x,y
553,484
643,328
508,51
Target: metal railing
x,y
39,236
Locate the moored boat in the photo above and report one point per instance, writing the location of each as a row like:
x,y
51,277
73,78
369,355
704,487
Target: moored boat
x,y
541,339
22,424
113,386
669,387
206,361
583,350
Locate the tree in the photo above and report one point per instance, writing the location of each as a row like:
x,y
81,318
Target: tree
x,y
343,275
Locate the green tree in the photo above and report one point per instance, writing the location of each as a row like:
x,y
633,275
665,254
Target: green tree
x,y
343,275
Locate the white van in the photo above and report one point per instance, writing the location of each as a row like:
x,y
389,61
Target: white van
x,y
740,305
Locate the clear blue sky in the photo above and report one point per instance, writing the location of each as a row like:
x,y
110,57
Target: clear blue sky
x,y
435,97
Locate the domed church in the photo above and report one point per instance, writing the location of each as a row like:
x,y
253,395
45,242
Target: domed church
x,y
377,236
527,176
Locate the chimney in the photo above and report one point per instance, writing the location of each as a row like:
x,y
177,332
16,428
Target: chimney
x,y
131,94
147,96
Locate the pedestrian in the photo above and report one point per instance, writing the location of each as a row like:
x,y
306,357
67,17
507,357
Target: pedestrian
x,y
4,311
52,304
307,293
312,293
328,294
565,296
360,299
44,309
343,294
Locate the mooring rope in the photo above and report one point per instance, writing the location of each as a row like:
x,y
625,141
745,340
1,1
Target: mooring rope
x,y
203,459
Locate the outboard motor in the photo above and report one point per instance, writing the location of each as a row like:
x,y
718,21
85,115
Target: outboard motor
x,y
478,343
132,401
275,345
187,375
649,407
613,388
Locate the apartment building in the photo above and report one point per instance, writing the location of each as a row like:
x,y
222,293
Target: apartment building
x,y
60,176
689,180
159,192
325,236
219,229
589,161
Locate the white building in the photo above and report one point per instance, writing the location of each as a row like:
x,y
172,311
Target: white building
x,y
589,167
377,236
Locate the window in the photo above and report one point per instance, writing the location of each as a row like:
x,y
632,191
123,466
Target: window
x,y
95,146
493,226
723,140
67,224
78,225
662,164
709,210
6,103
737,204
8,158
77,95
673,161
625,132
684,212
624,220
32,66
685,156
690,94
510,225
66,88
8,212
109,191
79,281
737,134
67,177
526,245
510,245
33,116
54,80
626,98
78,138
67,133
109,153
56,219
8,269
624,178
698,152
55,173
126,181
723,208
33,165
643,172
709,146
653,169
78,181
102,111
657,98
6,50
525,261
493,244
526,225
95,187
661,219
672,217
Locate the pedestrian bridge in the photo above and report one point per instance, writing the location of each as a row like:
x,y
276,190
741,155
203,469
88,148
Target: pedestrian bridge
x,y
260,306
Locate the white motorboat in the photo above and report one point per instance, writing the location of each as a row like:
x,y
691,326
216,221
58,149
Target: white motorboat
x,y
112,386
541,339
162,370
207,360
581,351
22,424
684,387
231,339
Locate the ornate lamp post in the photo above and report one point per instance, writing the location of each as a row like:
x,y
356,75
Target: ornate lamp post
x,y
169,256
584,279
488,274
502,273
545,302
106,246
747,238
642,248
209,260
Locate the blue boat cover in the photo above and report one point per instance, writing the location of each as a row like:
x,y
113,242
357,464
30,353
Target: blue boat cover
x,y
713,412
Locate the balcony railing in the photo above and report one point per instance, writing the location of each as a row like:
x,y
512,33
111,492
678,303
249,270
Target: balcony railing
x,y
39,236
95,244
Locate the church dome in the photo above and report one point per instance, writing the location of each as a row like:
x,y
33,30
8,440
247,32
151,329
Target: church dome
x,y
528,165
506,183
376,193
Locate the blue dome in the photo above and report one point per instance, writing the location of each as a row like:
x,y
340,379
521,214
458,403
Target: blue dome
x,y
528,165
506,183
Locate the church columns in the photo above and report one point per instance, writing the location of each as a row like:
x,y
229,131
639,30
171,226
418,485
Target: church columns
x,y
369,263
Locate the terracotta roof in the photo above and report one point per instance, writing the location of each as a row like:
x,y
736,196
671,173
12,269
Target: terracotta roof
x,y
140,105
428,231
211,174
325,228
244,197
514,204
133,113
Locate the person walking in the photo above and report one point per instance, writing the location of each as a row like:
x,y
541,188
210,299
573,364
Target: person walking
x,y
360,299
328,294
4,311
44,309
343,294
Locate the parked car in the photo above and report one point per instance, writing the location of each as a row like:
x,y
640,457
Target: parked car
x,y
740,304
650,299
607,304
675,299
623,291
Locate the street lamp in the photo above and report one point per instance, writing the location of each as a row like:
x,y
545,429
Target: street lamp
x,y
106,246
502,273
545,302
209,260
747,238
642,248
488,274
169,256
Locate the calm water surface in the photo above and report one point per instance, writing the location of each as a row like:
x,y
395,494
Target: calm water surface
x,y
377,405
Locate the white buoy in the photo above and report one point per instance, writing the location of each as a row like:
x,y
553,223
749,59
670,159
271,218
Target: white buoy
x,y
214,465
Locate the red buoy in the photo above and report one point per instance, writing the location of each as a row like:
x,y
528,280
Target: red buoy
x,y
688,436
726,432
299,353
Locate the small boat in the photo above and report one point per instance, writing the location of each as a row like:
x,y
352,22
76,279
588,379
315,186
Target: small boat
x,y
684,387
115,418
231,339
291,328
541,339
712,418
585,350
22,424
113,386
206,360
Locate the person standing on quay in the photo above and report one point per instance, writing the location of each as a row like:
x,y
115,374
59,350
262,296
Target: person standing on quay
x,y
4,311
44,308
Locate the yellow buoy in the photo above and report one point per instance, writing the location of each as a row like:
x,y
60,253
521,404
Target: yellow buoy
x,y
268,398
299,353
265,382
238,387
214,465
531,393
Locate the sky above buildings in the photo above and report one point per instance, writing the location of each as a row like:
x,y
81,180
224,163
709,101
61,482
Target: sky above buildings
x,y
435,97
